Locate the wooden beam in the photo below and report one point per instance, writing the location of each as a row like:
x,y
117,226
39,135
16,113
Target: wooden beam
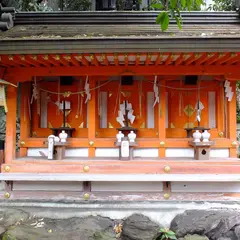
x,y
10,142
30,61
92,118
60,59
161,120
233,60
132,70
24,116
232,121
124,167
137,59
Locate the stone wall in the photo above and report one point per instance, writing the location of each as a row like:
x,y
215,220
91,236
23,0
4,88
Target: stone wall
x,y
16,224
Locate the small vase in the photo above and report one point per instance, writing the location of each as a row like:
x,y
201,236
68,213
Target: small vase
x,y
197,136
120,136
206,135
132,136
63,136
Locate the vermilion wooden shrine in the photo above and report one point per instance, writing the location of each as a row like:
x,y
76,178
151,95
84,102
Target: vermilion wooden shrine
x,y
122,60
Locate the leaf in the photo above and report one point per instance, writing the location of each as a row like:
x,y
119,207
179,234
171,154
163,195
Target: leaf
x,y
189,4
172,12
157,6
162,230
178,22
163,20
172,237
171,233
183,3
173,3
163,237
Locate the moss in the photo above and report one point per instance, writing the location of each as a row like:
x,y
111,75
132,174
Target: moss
x,y
7,236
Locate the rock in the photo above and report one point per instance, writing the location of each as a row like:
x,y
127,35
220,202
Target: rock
x,y
90,228
139,227
237,231
12,216
213,224
195,237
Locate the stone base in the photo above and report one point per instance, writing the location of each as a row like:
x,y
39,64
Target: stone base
x,y
202,149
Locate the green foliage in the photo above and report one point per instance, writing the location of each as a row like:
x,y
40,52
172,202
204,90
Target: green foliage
x,y
171,9
77,5
222,5
166,234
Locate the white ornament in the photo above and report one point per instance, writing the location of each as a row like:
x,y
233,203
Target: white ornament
x,y
56,139
206,135
132,136
197,136
156,91
87,91
120,136
63,136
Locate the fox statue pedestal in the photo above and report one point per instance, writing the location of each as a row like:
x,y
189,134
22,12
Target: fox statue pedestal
x,y
202,149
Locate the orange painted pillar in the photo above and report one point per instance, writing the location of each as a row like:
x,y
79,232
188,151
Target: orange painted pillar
x,y
24,116
232,121
220,110
162,120
92,118
10,141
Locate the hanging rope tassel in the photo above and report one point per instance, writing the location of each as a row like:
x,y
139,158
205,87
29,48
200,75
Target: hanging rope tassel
x,y
156,91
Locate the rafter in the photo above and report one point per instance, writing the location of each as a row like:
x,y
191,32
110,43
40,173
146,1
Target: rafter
x,y
137,59
59,60
94,60
203,58
116,62
71,59
213,59
126,59
28,61
159,59
233,60
180,59
224,59
168,60
37,58
15,61
48,59
148,59
191,59
81,59
104,59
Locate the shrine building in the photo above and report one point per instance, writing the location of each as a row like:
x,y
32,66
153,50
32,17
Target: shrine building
x,y
110,105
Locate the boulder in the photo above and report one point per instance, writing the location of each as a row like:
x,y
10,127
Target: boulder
x,y
213,224
195,237
139,227
237,231
90,228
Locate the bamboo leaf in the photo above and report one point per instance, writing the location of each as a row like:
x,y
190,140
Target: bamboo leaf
x,y
163,20
157,6
183,3
179,23
173,3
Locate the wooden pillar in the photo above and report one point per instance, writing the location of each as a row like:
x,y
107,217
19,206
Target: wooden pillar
x,y
92,118
24,117
10,141
232,121
162,120
220,111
